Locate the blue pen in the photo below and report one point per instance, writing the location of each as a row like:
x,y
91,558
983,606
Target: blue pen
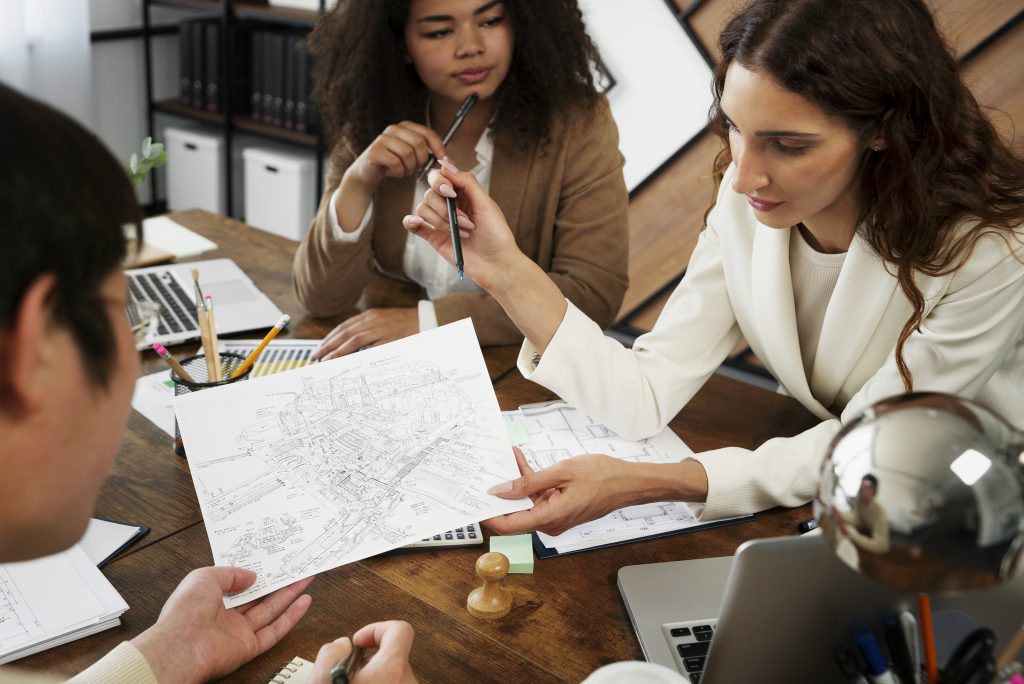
x,y
878,669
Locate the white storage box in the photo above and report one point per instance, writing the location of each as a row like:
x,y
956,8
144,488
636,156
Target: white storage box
x,y
279,188
195,170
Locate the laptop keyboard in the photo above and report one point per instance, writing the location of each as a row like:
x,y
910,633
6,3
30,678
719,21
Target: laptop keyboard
x,y
177,313
690,643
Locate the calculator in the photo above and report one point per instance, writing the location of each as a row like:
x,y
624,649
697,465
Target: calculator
x,y
469,535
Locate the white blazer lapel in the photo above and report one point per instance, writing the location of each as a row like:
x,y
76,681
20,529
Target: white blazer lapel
x,y
861,296
775,314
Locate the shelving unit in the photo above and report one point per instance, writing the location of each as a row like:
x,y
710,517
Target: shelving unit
x,y
229,12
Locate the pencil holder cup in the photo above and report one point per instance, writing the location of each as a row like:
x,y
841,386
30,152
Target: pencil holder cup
x,y
196,367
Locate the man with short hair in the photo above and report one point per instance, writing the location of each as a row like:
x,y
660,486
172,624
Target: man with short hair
x,y
68,366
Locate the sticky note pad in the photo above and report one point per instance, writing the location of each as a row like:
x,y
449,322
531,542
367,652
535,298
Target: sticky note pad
x,y
519,551
517,433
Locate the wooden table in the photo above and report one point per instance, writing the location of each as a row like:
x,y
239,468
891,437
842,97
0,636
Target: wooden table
x,y
567,617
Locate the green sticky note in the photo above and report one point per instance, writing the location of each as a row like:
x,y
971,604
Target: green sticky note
x,y
519,551
517,433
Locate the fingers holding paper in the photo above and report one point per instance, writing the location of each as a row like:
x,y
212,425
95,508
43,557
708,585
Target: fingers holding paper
x,y
571,492
196,638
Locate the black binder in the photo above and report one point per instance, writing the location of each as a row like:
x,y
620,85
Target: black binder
x,y
258,79
269,69
212,67
291,81
196,54
277,45
184,64
302,83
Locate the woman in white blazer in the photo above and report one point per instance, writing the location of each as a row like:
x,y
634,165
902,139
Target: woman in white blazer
x,y
865,241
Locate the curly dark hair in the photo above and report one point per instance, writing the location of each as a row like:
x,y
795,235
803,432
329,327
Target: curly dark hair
x,y
363,83
883,67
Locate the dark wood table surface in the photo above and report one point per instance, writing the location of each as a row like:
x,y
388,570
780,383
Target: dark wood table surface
x,y
567,617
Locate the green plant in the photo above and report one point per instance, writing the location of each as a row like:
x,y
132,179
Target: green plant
x,y
153,157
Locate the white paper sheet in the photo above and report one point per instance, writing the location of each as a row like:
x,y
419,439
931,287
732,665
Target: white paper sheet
x,y
154,398
53,600
168,235
304,471
554,431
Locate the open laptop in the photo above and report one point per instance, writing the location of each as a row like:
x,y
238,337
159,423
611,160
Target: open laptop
x,y
775,610
238,304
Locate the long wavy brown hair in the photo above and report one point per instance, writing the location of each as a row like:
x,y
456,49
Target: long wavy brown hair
x,y
883,67
363,83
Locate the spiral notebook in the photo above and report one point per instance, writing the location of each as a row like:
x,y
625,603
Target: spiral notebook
x,y
298,671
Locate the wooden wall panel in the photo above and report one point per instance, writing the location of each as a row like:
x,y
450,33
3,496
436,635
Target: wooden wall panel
x,y
996,76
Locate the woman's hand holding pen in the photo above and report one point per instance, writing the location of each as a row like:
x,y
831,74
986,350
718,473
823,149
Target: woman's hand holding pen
x,y
491,257
390,664
400,150
489,248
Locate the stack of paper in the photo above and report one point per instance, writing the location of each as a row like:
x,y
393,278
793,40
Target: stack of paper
x,y
554,431
53,600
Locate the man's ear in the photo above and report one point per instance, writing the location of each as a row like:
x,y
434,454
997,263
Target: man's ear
x,y
24,350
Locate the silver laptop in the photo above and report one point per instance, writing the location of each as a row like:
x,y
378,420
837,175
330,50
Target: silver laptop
x,y
775,610
238,304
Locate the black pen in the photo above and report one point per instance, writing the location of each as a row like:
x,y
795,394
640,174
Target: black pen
x,y
453,221
460,116
346,668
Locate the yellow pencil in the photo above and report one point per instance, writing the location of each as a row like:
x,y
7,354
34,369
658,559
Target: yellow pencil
x,y
262,345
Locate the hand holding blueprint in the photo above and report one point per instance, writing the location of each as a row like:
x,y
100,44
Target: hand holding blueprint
x,y
554,431
331,463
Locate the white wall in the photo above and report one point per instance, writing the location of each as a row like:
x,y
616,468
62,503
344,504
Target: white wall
x,y
118,78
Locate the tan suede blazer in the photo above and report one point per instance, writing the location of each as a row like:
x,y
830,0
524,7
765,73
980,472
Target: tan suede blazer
x,y
566,205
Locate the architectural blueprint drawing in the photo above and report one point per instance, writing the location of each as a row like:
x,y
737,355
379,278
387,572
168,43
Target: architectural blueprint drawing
x,y
334,462
554,431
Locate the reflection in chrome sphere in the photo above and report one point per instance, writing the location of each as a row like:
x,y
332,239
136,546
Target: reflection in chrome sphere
x,y
923,492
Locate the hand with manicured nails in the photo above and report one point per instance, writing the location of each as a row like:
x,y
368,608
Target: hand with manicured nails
x,y
489,249
390,663
571,492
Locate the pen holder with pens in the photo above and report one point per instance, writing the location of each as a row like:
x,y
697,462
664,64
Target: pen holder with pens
x,y
196,367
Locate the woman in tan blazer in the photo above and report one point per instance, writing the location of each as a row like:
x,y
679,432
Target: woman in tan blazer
x,y
541,137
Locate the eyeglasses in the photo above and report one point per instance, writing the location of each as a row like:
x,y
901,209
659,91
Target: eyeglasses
x,y
144,318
